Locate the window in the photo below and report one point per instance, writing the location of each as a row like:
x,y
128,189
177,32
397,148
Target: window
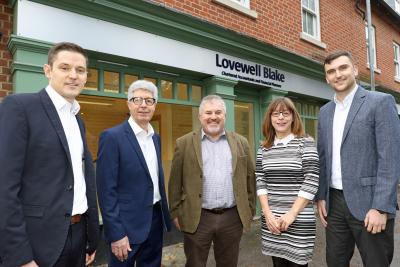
x,y
397,6
373,45
396,50
245,3
310,18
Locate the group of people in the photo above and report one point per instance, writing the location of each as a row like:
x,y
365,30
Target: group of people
x,y
48,204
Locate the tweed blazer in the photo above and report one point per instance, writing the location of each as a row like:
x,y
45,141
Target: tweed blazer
x,y
186,180
369,153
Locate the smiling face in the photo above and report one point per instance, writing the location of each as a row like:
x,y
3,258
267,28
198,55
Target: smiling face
x,y
142,113
67,74
281,120
341,74
212,118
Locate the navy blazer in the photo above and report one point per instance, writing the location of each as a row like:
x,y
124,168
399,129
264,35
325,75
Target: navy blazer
x,y
125,187
370,152
36,182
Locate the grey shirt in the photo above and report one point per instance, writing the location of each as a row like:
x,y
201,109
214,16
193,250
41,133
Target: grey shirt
x,y
217,173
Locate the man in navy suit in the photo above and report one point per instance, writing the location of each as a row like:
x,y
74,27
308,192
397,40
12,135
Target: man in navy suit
x,y
130,183
47,188
359,149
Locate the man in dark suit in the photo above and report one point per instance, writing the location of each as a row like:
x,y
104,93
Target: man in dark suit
x,y
130,183
47,194
359,149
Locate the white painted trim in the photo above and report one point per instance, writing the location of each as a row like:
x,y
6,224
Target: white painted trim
x,y
308,38
237,7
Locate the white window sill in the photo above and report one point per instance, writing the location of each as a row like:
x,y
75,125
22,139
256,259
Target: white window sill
x,y
312,40
397,79
376,70
237,7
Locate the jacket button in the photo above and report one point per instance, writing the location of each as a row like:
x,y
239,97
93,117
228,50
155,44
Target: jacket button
x,y
69,187
199,195
67,215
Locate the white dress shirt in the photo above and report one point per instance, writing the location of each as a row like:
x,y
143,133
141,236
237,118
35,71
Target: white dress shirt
x,y
145,140
339,120
66,112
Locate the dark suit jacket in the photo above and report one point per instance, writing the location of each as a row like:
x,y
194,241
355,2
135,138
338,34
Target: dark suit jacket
x,y
186,183
36,182
369,153
125,186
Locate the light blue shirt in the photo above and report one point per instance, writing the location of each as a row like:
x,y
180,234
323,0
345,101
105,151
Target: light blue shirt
x,y
217,173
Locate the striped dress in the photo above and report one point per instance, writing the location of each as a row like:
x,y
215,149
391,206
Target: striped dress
x,y
285,172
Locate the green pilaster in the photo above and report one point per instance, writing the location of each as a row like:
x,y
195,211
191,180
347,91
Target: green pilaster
x,y
267,96
29,56
225,89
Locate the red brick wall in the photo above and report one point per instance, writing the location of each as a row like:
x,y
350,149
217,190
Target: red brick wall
x,y
5,56
279,24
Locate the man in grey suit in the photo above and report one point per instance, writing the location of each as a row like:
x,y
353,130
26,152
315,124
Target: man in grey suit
x,y
359,147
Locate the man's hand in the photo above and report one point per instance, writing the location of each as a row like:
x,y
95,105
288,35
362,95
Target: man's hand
x,y
30,264
121,248
321,205
272,223
286,220
375,222
176,222
90,258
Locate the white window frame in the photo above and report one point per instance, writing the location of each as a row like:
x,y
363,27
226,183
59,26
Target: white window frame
x,y
317,29
374,46
244,3
396,59
397,6
241,6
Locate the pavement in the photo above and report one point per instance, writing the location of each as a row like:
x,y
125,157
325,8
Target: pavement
x,y
250,249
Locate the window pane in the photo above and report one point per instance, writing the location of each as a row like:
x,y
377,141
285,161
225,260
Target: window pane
x,y
129,79
304,21
304,3
166,89
196,93
182,93
311,126
311,5
111,82
92,82
153,80
310,24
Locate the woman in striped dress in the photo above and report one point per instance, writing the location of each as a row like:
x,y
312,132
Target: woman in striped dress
x,y
287,172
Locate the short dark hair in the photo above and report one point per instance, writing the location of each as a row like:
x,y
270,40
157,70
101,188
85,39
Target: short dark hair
x,y
337,54
65,46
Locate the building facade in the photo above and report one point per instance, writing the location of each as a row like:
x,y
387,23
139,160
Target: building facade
x,y
247,51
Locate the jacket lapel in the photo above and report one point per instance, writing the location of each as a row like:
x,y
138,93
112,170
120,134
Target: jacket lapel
x,y
130,135
358,100
158,151
55,121
197,147
331,114
234,149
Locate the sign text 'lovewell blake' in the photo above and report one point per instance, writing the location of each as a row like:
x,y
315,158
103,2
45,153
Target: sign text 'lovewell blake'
x,y
254,73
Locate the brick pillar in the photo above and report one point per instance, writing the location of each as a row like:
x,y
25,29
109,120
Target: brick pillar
x,y
6,18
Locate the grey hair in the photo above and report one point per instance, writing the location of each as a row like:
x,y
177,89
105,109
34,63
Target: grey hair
x,y
211,98
142,85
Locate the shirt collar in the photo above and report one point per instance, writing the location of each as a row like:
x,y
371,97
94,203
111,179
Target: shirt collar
x,y
348,99
284,140
61,103
139,130
204,135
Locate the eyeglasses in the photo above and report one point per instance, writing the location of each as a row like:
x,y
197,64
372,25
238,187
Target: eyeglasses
x,y
278,113
139,100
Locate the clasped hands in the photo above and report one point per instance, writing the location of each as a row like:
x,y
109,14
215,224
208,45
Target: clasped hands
x,y
277,225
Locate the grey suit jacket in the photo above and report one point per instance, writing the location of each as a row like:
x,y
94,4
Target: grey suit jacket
x,y
370,152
